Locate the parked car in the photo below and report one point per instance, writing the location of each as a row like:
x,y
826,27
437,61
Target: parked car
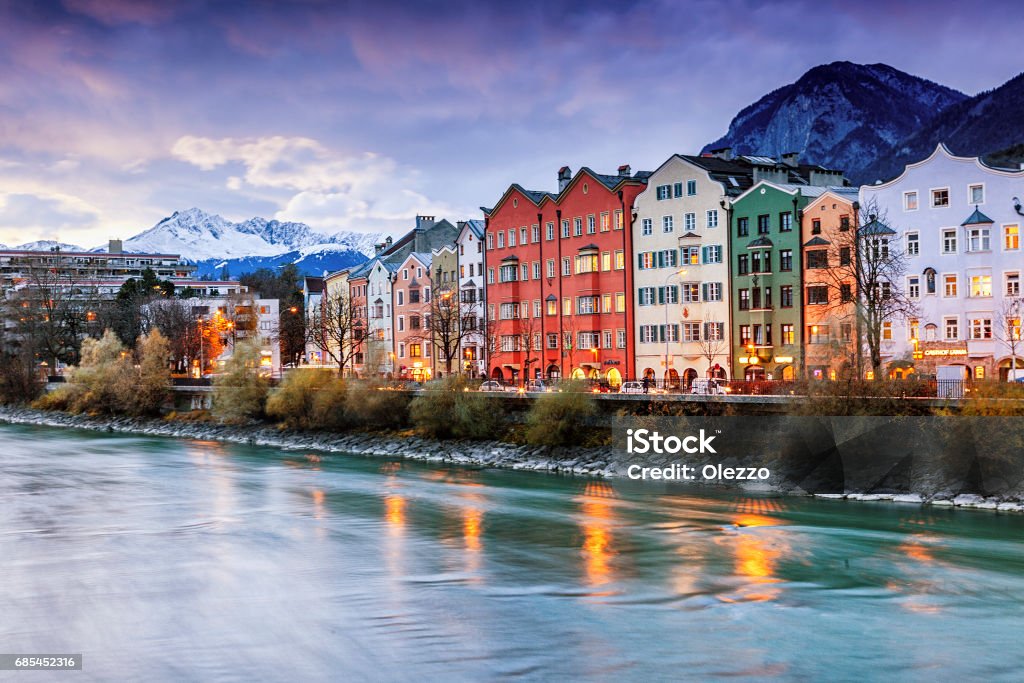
x,y
632,388
492,385
713,387
540,385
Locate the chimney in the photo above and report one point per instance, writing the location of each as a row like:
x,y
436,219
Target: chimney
x,y
624,171
564,176
722,153
115,247
378,248
791,159
387,242
424,222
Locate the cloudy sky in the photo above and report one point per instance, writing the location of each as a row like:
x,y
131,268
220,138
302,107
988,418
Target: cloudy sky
x,y
359,115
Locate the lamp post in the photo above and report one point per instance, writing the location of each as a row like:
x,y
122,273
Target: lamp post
x,y
681,271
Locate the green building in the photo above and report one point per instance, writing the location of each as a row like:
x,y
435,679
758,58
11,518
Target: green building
x,y
767,306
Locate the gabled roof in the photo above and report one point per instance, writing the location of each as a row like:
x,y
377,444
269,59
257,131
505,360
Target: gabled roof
x,y
978,218
689,234
611,182
876,227
817,241
475,226
510,257
942,150
469,284
760,242
589,247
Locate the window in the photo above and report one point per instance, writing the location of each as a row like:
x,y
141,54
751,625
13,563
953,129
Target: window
x,y
788,332
507,273
745,337
844,224
785,221
536,270
712,291
714,331
620,339
949,241
713,253
816,226
1013,284
620,259
786,296
677,189
910,201
940,198
552,341
671,333
490,241
952,326
501,240
535,233
565,228
508,311
914,329
887,330
744,299
689,292
844,256
981,285
414,295
566,266
550,267
586,305
689,256
509,342
549,230
689,222
666,223
401,323
586,263
691,332
763,224
646,296
978,239
981,328
743,264
667,258
552,307
914,287
512,237
415,350
976,193
606,303
742,227
591,225
879,249
646,226
490,276
913,244
648,334
606,260
587,340
1013,329
712,218
577,227
761,262
401,297
786,259
817,334
691,187
663,192
605,227
525,272
566,306
949,285
618,219
606,336
620,302
817,258
1011,237
817,294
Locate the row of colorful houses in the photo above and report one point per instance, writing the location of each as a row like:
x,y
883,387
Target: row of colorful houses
x,y
713,265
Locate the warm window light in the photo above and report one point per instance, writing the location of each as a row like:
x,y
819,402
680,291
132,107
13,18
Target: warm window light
x,y
979,372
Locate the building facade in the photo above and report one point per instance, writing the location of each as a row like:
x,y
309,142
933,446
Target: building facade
x,y
959,222
412,339
443,315
472,299
379,353
558,276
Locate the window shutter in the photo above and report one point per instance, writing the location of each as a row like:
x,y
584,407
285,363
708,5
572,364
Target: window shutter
x,y
661,259
661,333
640,261
661,295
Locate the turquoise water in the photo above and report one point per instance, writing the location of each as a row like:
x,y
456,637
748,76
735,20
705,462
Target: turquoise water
x,y
183,560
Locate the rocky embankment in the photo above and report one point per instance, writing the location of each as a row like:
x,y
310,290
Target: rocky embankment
x,y
595,462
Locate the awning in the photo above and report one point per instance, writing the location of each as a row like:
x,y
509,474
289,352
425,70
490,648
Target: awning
x,y
511,366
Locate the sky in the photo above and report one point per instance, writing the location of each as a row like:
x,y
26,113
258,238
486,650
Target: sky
x,y
358,116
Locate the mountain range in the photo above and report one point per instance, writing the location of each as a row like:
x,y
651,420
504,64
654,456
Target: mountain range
x,y
217,245
870,120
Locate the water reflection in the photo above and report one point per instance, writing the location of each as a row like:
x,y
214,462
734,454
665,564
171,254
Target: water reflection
x,y
597,521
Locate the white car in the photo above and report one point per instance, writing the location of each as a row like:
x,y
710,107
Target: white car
x,y
713,387
492,386
632,388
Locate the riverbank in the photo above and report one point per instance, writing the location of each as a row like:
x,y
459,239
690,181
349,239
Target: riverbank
x,y
593,462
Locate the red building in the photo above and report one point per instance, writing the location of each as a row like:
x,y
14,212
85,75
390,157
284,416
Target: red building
x,y
559,278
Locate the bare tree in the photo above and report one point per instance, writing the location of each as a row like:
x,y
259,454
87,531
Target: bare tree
x,y
864,273
179,323
712,340
444,327
1008,330
332,327
529,342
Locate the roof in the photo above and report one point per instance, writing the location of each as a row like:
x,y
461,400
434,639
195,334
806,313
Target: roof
x,y
977,218
736,175
817,241
93,254
477,227
876,227
314,284
761,241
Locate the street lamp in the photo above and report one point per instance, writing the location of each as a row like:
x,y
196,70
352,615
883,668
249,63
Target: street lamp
x,y
681,271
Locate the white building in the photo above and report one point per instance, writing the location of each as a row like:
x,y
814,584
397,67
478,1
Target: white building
x,y
469,243
681,302
247,318
380,337
959,221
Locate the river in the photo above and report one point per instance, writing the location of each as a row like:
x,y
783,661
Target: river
x,y
174,560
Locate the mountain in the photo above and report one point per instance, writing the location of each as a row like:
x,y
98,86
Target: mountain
x,y
990,124
840,115
310,261
47,245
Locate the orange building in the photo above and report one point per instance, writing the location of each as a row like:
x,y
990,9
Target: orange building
x,y
828,224
411,296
